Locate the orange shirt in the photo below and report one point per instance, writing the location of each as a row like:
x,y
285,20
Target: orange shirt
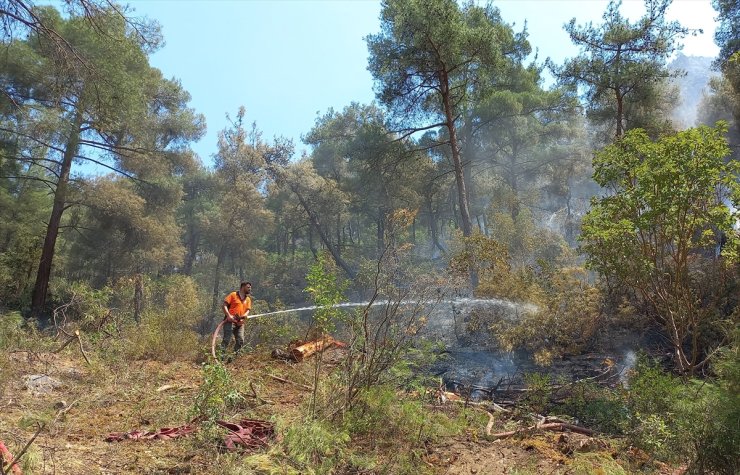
x,y
237,307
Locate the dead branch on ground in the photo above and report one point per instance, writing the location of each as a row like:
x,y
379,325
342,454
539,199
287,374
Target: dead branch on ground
x,y
553,426
282,380
78,337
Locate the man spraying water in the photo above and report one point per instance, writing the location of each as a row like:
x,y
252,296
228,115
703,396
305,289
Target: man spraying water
x,y
236,309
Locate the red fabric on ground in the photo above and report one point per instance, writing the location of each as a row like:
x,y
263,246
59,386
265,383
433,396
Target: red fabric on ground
x,y
249,433
6,456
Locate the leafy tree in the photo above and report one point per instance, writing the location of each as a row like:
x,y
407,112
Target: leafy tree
x,y
123,230
727,37
662,229
355,149
326,293
24,204
622,66
426,61
239,219
727,34
117,113
318,197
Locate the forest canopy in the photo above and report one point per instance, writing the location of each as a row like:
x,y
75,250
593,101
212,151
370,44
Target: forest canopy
x,y
480,171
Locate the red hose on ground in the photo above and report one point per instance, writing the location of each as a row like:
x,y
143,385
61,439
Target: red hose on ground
x,y
5,454
213,339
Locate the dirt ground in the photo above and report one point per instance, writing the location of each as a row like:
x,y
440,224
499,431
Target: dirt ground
x,y
95,400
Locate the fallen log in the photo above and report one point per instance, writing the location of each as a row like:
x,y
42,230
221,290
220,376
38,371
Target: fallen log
x,y
555,426
312,347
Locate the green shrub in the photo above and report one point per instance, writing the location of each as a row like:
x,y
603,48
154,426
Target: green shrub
x,y
688,420
597,407
11,330
540,391
77,304
166,331
402,420
717,438
315,445
216,394
595,462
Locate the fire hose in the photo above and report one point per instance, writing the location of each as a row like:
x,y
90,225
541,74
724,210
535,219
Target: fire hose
x,y
213,339
215,336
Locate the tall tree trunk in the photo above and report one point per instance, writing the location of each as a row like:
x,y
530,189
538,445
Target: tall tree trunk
x,y
339,233
217,274
41,288
434,227
620,112
217,279
468,158
380,242
311,245
192,246
138,295
462,194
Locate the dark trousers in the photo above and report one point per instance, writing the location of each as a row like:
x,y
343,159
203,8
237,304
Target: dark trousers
x,y
237,331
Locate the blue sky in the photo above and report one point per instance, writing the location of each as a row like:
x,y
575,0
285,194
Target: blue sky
x,y
287,60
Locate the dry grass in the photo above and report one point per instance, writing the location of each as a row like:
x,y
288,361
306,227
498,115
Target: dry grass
x,y
118,396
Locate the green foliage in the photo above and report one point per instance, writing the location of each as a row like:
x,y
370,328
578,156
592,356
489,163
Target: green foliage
x,y
491,260
274,329
717,436
316,445
596,462
216,394
727,34
326,293
599,408
622,67
107,107
567,317
561,310
658,231
432,59
11,330
167,328
672,419
77,304
539,387
693,421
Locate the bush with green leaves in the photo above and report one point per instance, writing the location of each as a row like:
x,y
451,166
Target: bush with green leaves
x,y
694,421
597,407
666,223
11,329
716,435
76,304
216,394
167,328
403,419
560,309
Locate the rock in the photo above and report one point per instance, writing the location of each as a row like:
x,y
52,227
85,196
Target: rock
x,y
60,405
40,383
